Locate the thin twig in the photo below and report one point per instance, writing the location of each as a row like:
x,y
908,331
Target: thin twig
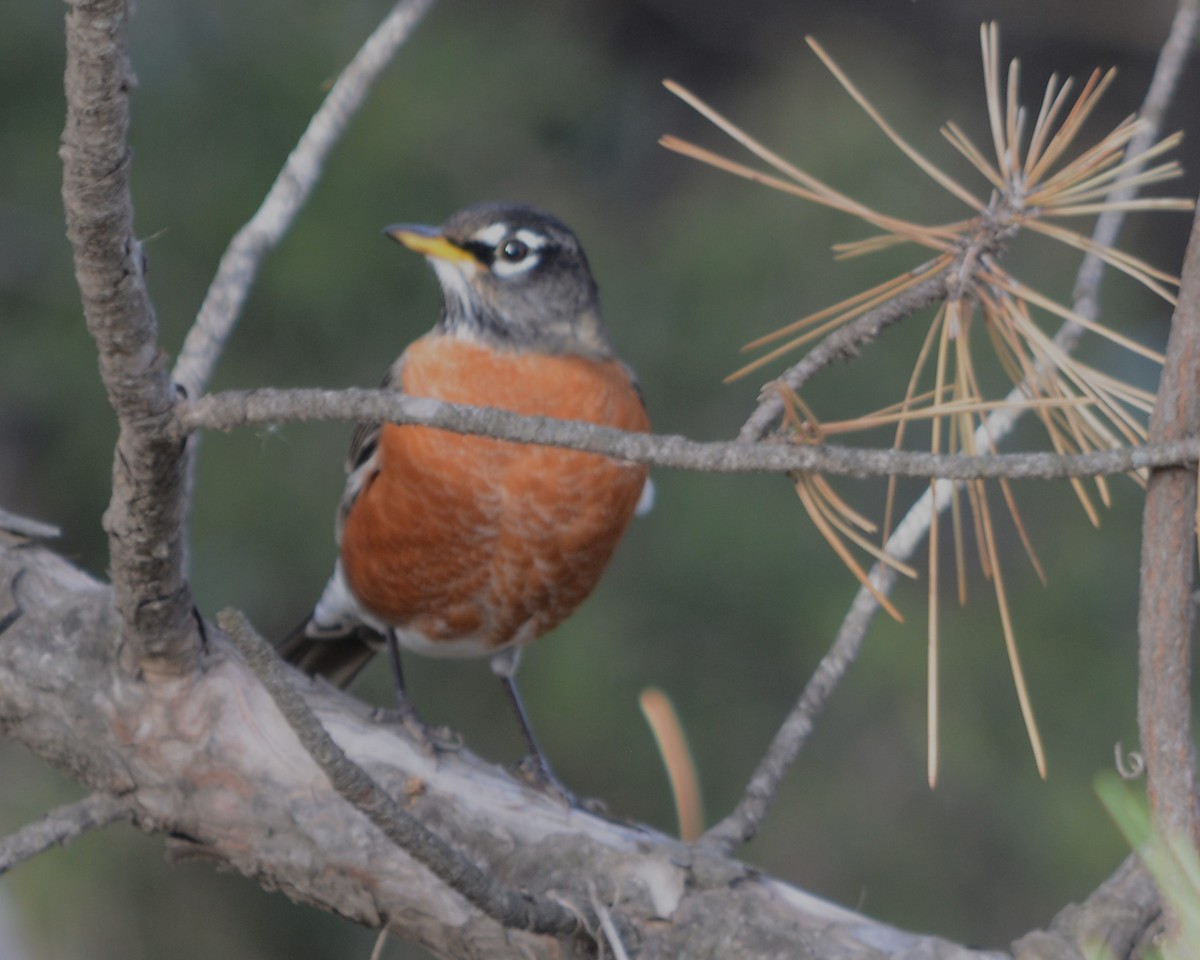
x,y
230,409
239,265
511,908
612,935
745,820
60,826
27,527
1171,59
843,344
380,942
145,517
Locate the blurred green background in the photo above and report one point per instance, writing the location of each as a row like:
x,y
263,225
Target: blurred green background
x,y
724,596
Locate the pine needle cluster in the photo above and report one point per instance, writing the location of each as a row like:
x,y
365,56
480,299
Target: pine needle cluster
x,y
1037,179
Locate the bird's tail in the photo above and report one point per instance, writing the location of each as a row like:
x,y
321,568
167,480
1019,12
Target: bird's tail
x,y
338,657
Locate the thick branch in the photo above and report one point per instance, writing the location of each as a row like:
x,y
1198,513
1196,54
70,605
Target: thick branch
x,y
239,265
505,906
145,517
60,826
96,162
1166,612
210,758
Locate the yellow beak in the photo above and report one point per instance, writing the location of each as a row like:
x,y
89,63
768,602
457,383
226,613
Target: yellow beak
x,y
428,241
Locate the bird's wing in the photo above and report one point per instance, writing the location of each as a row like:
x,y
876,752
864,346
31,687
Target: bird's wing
x,y
361,465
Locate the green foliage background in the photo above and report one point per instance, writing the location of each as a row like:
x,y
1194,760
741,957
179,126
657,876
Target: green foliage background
x,y
724,596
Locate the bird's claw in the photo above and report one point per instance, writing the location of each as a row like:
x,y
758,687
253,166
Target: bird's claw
x,y
431,740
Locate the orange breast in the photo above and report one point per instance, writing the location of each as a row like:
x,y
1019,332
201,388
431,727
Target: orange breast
x,y
482,543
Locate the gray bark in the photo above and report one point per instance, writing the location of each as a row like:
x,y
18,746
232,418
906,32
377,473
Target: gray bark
x,y
207,761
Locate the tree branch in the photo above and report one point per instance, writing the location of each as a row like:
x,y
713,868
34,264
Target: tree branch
x,y
747,816
230,409
1166,611
843,344
210,762
239,265
60,826
506,906
1167,70
145,517
26,527
208,757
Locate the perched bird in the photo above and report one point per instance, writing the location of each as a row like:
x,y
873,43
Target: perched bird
x,y
462,546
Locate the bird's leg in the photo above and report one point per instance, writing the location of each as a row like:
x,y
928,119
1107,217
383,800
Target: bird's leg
x,y
535,763
430,740
393,648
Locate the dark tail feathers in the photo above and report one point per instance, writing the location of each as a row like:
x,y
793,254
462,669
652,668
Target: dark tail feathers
x,y
339,658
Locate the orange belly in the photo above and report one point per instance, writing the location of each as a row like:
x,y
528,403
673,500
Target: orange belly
x,y
482,542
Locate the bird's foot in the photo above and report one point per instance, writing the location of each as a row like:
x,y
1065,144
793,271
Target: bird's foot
x,y
535,771
431,739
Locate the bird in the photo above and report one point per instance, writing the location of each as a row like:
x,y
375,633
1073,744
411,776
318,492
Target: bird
x,y
458,546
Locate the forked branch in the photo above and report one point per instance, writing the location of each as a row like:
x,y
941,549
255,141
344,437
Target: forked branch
x,y
146,519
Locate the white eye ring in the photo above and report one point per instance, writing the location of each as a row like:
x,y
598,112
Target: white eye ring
x,y
517,253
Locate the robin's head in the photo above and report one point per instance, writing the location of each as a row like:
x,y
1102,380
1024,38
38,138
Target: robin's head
x,y
512,275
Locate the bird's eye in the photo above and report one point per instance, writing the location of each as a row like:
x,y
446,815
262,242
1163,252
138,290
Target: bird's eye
x,y
514,251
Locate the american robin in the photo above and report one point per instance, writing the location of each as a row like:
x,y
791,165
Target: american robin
x,y
462,546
